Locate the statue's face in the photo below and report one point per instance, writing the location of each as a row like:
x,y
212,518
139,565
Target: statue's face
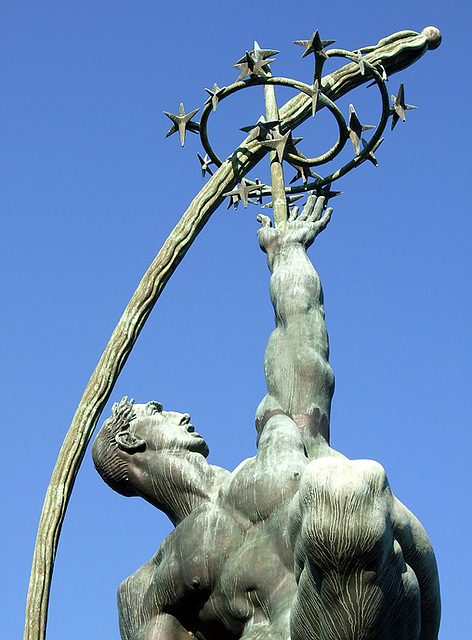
x,y
167,430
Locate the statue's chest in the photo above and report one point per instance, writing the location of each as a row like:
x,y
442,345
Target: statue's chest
x,y
254,584
223,575
257,492
200,547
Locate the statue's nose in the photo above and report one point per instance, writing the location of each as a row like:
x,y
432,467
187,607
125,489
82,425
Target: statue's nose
x,y
185,419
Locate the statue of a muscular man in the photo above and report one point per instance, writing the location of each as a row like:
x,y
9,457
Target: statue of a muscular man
x,y
296,543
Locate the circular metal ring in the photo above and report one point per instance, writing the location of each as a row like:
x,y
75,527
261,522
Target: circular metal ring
x,y
336,148
325,101
363,155
255,81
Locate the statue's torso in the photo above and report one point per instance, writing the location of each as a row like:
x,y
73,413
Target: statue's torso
x,y
229,565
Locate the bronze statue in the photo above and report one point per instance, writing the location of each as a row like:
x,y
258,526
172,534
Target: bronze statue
x,y
297,542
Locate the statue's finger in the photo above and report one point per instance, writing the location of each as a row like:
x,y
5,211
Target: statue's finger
x,y
293,213
327,217
264,220
308,208
318,210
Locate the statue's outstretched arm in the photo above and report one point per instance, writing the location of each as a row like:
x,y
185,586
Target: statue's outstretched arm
x,y
300,381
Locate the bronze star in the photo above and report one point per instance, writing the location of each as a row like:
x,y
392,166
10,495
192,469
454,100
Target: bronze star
x,y
315,45
260,129
291,146
360,61
304,173
259,54
215,95
314,97
243,191
233,200
182,123
252,67
278,143
326,193
381,69
254,61
371,155
205,162
399,106
356,128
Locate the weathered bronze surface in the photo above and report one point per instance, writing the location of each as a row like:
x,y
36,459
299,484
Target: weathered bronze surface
x,y
390,55
298,542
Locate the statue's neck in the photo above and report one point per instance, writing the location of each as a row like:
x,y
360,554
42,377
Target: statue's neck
x,y
176,483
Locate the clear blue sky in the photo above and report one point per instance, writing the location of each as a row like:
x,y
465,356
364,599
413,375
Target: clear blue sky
x,y
91,189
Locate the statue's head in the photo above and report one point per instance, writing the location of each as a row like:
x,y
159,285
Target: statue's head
x,y
133,433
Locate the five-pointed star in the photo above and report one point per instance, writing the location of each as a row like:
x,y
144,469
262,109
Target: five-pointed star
x,y
215,95
278,144
304,173
205,162
371,155
251,67
259,54
254,61
315,45
233,200
360,61
356,128
381,69
260,129
326,192
314,97
244,190
399,106
182,122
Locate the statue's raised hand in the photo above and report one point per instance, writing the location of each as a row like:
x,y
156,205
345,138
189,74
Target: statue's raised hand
x,y
299,229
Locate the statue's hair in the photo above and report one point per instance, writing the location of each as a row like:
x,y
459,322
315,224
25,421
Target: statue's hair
x,y
105,449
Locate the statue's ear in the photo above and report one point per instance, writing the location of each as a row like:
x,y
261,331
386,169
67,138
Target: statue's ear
x,y
128,442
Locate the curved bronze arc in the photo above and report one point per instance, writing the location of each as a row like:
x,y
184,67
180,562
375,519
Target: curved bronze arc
x,y
395,52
